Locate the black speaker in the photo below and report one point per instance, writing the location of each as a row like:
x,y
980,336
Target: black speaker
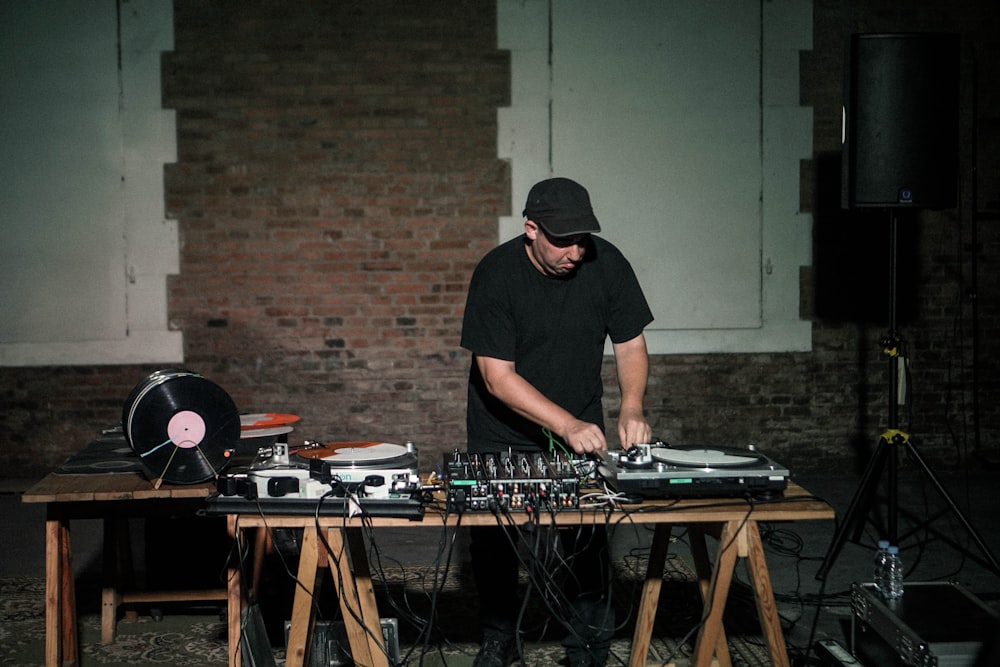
x,y
901,101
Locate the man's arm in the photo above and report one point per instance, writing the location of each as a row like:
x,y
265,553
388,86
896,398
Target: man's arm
x,y
632,361
521,396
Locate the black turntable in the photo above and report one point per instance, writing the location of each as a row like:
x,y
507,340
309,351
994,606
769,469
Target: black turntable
x,y
665,471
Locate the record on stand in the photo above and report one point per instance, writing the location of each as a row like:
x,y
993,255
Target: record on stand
x,y
363,455
705,457
252,433
183,427
267,420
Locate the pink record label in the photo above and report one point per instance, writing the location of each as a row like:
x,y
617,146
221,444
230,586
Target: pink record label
x,y
186,429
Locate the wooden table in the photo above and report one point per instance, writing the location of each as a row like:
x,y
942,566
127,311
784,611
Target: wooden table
x,y
734,522
113,498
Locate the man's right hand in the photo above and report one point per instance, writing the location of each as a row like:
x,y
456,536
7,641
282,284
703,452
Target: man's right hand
x,y
585,438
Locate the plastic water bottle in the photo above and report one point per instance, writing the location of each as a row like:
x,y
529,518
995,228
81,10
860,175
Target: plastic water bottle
x,y
878,572
893,575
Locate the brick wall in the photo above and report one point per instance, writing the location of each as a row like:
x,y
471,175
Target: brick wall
x,y
337,181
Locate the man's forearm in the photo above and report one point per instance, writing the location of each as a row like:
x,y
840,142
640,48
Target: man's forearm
x,y
632,361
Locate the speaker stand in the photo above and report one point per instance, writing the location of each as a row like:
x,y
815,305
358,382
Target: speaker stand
x,y
885,459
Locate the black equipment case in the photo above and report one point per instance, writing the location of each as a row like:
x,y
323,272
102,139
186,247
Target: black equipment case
x,y
934,624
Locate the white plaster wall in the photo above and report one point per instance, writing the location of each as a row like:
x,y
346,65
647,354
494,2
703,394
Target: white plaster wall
x,y
86,246
681,117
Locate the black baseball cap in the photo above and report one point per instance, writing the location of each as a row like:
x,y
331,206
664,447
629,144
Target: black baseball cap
x,y
561,207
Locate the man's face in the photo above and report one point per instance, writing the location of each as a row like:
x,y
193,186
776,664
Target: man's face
x,y
554,256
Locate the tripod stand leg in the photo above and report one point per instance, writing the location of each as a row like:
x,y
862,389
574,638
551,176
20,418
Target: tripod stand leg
x,y
858,510
925,469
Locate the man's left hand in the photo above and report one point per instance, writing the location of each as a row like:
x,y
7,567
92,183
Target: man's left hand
x,y
633,429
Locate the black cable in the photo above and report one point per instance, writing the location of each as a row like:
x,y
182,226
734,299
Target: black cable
x,y
335,558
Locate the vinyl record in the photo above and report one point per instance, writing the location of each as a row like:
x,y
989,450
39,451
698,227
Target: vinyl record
x,y
106,454
183,427
363,455
252,433
266,420
704,457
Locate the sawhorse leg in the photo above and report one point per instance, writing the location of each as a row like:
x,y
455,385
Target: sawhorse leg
x,y
740,539
357,597
767,608
117,557
234,596
349,566
650,595
703,569
737,539
306,589
60,596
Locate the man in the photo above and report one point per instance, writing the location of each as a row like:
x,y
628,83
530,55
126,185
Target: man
x,y
538,312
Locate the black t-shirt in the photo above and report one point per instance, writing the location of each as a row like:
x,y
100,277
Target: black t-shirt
x,y
552,328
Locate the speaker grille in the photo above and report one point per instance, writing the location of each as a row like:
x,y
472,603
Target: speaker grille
x,y
901,121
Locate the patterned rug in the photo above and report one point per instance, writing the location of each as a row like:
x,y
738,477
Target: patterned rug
x,y
197,637
183,639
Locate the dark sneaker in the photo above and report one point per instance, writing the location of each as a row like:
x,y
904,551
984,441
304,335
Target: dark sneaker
x,y
495,653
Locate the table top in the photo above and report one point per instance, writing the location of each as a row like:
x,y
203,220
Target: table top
x,y
796,504
55,488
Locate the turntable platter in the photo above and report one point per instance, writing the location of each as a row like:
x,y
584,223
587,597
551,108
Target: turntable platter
x,y
701,457
362,455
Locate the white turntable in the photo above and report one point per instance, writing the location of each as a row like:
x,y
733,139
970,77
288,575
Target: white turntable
x,y
364,469
379,469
